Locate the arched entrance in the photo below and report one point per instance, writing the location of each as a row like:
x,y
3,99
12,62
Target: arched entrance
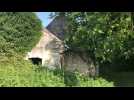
x,y
36,61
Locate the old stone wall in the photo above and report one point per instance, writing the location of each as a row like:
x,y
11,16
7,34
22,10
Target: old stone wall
x,y
74,62
51,55
50,49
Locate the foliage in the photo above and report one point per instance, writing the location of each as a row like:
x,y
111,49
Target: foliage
x,y
85,81
70,79
20,73
104,35
15,72
77,80
19,31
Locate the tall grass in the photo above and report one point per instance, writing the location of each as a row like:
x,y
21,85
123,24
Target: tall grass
x,y
15,72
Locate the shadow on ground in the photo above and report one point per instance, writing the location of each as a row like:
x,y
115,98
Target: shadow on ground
x,y
122,78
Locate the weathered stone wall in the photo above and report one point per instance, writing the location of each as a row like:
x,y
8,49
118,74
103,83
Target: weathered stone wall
x,y
51,53
52,61
50,47
51,57
47,49
74,62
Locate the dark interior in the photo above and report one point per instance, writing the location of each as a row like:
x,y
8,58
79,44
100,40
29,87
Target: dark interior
x,y
36,61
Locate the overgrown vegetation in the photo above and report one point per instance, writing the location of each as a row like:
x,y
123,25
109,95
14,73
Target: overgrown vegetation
x,y
16,72
19,32
20,73
78,80
106,36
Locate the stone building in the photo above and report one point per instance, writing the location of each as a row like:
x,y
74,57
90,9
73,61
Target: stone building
x,y
50,50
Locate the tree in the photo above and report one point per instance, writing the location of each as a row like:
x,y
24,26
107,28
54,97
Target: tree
x,y
105,36
19,31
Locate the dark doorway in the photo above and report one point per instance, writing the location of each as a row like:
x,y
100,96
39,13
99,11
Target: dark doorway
x,y
36,61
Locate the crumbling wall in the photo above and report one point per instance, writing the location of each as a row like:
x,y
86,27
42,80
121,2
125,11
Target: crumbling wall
x,y
75,62
51,57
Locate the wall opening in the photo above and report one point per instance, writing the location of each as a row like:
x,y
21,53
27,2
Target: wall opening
x,y
36,61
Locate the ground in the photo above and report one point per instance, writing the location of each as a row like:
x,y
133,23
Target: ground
x,y
121,79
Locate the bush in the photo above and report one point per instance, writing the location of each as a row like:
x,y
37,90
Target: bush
x,y
85,81
19,31
19,73
16,72
105,36
70,79
78,80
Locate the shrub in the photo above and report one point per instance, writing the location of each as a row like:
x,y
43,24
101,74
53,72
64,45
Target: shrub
x,y
19,31
20,73
77,80
85,81
105,36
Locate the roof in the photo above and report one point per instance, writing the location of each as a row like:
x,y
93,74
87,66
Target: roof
x,y
55,30
45,30
58,27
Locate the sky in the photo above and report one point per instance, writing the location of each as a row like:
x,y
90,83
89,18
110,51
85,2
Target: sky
x,y
44,17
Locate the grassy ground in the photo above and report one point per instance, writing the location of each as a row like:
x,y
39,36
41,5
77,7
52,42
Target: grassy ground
x,y
16,72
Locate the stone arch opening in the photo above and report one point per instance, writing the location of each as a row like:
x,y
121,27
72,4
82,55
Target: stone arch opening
x,y
36,61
